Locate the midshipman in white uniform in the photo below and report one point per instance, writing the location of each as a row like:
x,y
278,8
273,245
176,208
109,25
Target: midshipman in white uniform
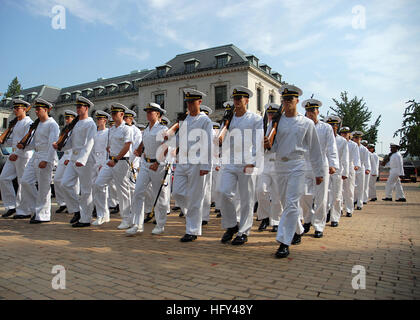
x,y
374,173
363,172
396,166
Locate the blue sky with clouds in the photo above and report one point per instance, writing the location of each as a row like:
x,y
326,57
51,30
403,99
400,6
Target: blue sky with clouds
x,y
319,45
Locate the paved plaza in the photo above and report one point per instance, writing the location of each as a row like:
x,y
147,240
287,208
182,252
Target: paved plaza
x,y
102,263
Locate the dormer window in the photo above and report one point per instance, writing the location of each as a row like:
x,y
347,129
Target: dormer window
x,y
20,96
277,76
253,60
86,92
31,96
98,90
111,87
191,65
75,94
162,70
222,59
124,85
265,68
65,96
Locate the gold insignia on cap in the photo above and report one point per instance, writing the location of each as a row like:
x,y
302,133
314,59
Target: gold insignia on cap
x,y
235,91
285,90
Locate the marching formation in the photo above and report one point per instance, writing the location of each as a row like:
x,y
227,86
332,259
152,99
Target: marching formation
x,y
290,168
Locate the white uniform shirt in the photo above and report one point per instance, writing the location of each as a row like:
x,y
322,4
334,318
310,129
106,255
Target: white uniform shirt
x,y
192,139
45,135
269,155
343,155
396,164
99,147
118,136
243,151
152,140
295,136
137,138
374,164
20,129
81,141
328,144
354,154
364,157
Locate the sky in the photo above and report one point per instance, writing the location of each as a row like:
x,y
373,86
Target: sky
x,y
370,49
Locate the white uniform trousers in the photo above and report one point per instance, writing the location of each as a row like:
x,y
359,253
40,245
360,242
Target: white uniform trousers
x,y
336,196
74,202
10,198
269,204
58,189
394,182
233,178
188,192
360,187
348,189
320,204
149,200
215,197
372,187
208,178
95,174
307,200
291,186
145,178
366,188
167,193
112,194
41,198
120,175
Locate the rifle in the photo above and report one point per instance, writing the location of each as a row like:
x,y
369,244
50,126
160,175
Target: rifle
x,y
386,159
65,133
227,119
28,137
274,124
6,134
152,213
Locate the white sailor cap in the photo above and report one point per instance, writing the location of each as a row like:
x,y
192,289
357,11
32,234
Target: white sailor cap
x,y
20,103
333,120
102,115
241,91
151,106
84,102
311,103
364,142
118,107
192,94
271,107
207,110
39,102
216,125
140,126
228,105
165,121
70,113
129,113
394,145
371,145
288,90
357,134
345,130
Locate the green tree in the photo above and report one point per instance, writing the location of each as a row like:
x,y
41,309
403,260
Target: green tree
x,y
14,88
410,132
356,115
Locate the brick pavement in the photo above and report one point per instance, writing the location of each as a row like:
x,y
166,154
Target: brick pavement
x,y
102,263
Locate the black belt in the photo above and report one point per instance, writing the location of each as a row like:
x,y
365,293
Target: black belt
x,y
148,160
115,158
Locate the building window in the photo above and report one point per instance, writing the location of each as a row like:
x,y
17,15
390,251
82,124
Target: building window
x,y
220,96
222,61
189,67
259,102
271,98
161,72
160,100
61,120
4,123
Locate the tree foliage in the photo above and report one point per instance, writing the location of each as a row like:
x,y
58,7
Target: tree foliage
x,y
410,132
356,115
14,88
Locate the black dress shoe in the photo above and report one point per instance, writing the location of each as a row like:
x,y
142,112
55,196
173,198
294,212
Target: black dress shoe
x,y
219,215
188,237
349,214
228,235
358,208
181,214
240,240
175,208
282,251
297,238
328,216
9,213
20,216
149,217
61,209
37,221
334,224
387,199
364,202
401,200
318,234
94,214
204,223
80,224
264,224
255,207
216,210
213,204
306,227
75,218
373,199
114,210
274,229
154,221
